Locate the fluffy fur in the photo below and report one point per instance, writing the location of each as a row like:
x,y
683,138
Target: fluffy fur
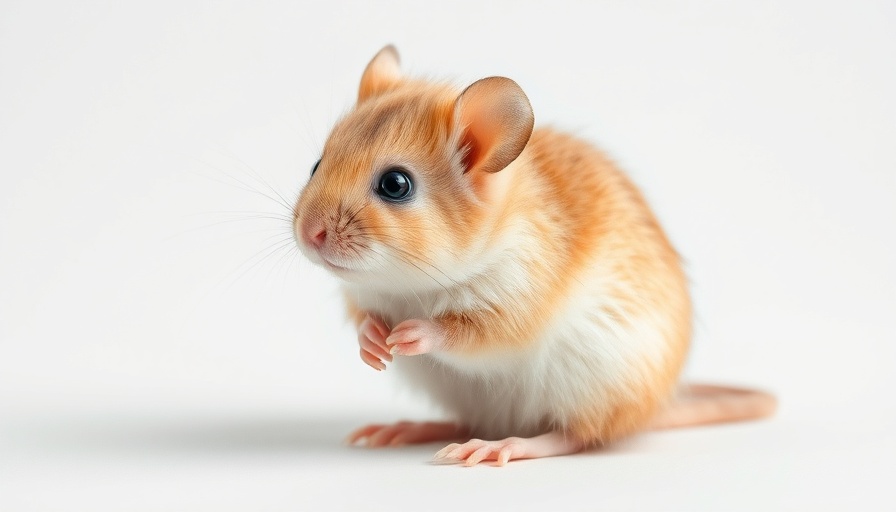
x,y
566,307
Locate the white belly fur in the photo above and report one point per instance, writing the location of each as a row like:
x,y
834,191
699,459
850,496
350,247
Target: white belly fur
x,y
582,360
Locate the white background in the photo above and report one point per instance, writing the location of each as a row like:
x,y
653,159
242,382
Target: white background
x,y
158,353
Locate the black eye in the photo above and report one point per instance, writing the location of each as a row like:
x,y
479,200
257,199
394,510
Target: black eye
x,y
314,169
395,185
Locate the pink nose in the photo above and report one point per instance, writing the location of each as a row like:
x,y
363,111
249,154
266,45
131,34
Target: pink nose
x,y
316,236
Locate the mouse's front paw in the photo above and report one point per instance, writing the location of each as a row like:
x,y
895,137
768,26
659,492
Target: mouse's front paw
x,y
372,338
415,337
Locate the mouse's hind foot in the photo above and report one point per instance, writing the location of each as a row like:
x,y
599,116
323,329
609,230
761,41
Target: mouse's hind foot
x,y
407,432
475,451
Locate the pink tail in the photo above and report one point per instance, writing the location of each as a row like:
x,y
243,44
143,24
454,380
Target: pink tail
x,y
702,404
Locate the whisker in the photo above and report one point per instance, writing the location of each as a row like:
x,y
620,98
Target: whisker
x,y
411,228
419,259
190,231
407,259
269,251
354,215
400,239
240,184
273,215
403,295
279,261
258,176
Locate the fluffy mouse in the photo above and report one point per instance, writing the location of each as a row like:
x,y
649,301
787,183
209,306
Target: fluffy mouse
x,y
514,275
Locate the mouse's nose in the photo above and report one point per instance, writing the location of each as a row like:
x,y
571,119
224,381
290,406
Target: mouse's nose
x,y
319,239
315,234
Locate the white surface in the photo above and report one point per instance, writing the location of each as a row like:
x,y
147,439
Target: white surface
x,y
148,363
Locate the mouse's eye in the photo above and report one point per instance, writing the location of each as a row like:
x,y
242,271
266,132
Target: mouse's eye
x,y
395,185
314,169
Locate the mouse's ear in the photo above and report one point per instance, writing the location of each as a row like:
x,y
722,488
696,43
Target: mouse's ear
x,y
496,120
382,74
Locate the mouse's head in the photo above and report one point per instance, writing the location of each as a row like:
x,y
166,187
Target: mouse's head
x,y
411,182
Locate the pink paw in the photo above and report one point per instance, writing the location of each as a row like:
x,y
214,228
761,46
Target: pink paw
x,y
372,338
414,337
475,451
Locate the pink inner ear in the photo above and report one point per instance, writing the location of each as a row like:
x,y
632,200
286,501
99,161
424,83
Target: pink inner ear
x,y
382,73
482,130
473,152
497,121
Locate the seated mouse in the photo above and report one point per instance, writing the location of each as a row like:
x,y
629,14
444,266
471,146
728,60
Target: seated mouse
x,y
515,275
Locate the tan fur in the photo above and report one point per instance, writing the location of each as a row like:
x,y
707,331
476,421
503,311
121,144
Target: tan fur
x,y
587,230
577,191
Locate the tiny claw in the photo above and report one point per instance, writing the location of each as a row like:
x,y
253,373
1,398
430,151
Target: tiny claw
x,y
504,455
443,462
372,361
443,453
477,456
455,453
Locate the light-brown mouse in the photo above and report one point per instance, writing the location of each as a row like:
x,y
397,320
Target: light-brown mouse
x,y
514,275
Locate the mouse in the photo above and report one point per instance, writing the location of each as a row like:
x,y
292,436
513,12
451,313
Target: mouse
x,y
513,275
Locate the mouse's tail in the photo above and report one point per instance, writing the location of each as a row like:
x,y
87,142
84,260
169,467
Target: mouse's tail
x,y
702,404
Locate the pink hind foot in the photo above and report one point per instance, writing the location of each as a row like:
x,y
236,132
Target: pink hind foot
x,y
406,432
475,451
